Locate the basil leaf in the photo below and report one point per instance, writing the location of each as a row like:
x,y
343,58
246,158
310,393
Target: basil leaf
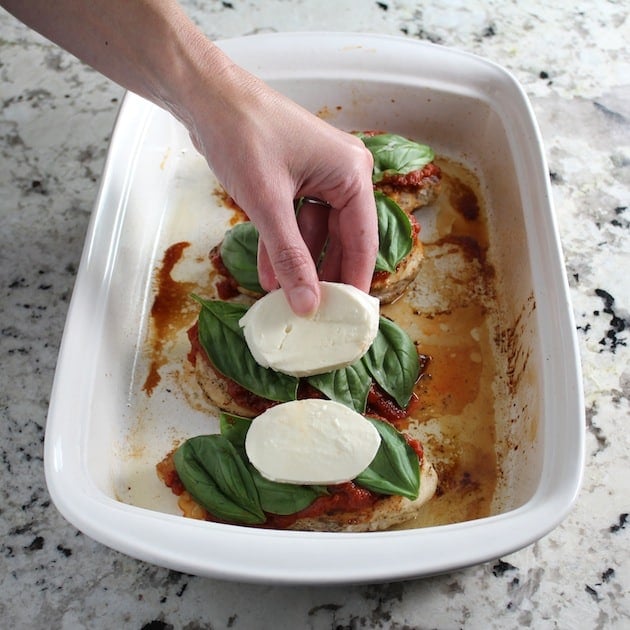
x,y
234,428
239,252
275,497
395,155
394,233
283,498
393,361
223,341
395,469
216,477
349,386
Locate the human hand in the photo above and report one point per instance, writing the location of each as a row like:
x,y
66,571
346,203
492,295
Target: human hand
x,y
267,151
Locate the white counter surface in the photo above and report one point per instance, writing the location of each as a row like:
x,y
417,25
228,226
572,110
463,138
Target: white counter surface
x,y
55,122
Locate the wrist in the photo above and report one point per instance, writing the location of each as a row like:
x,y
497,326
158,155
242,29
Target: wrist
x,y
199,84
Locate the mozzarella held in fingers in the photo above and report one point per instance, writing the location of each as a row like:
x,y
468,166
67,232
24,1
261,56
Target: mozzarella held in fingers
x,y
339,333
311,441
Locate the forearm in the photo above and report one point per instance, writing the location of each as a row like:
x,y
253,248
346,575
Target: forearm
x,y
148,46
265,149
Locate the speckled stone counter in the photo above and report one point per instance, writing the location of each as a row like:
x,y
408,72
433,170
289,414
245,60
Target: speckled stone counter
x,y
55,124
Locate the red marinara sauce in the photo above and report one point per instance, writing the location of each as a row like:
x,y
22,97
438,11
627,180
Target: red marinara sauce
x,y
412,179
342,498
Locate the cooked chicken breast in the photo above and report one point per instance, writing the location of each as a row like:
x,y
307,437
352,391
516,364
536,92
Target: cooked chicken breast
x,y
387,512
219,390
384,513
388,287
414,190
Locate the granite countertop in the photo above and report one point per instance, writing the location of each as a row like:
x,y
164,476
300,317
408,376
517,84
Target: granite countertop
x,y
55,125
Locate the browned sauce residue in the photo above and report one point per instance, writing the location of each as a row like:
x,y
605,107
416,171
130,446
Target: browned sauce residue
x,y
226,200
510,342
170,307
326,113
464,200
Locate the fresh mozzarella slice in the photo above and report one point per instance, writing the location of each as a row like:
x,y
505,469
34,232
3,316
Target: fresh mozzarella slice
x,y
339,333
311,441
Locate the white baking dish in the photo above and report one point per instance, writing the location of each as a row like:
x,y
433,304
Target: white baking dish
x,y
467,109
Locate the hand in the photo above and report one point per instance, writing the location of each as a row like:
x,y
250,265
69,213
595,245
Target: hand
x,y
267,151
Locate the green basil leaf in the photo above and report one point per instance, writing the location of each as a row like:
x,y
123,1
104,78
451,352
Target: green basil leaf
x,y
239,252
395,238
283,498
395,155
234,428
222,339
349,386
275,498
393,361
395,469
216,477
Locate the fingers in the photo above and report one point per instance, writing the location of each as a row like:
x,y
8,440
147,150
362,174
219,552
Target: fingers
x,y
273,151
352,246
313,219
358,238
285,260
288,255
353,227
267,150
266,274
330,269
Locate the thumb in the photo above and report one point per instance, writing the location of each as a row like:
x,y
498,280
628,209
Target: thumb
x,y
287,261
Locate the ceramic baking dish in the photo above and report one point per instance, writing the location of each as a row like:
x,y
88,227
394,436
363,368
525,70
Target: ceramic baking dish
x,y
103,438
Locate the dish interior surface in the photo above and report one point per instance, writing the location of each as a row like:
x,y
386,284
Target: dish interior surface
x,y
487,306
456,311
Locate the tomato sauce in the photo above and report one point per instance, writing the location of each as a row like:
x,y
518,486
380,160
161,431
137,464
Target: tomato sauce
x,y
427,173
382,405
342,498
168,474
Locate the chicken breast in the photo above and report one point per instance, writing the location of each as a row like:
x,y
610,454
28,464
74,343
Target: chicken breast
x,y
386,512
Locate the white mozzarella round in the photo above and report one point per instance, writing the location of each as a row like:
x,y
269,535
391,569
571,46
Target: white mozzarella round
x,y
311,441
339,333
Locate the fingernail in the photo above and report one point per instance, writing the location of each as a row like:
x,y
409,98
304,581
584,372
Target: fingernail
x,y
303,300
